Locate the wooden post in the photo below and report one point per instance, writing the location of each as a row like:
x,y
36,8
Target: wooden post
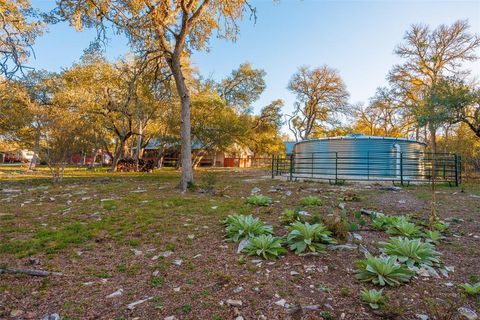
x,y
273,165
456,170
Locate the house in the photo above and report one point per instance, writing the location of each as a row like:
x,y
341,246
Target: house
x,y
17,155
168,153
101,157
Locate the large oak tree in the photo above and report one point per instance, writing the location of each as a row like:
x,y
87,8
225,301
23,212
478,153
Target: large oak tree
x,y
321,93
167,29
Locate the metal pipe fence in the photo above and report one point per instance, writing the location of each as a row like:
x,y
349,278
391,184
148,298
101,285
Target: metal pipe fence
x,y
397,167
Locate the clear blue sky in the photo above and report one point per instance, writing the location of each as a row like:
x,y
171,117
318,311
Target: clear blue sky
x,y
355,37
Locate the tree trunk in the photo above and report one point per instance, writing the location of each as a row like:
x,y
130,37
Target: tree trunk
x,y
433,139
139,144
186,150
198,159
36,151
94,156
118,154
84,158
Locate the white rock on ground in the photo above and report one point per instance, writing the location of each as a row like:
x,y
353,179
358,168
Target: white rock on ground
x,y
53,316
164,254
242,245
311,308
178,262
255,190
136,252
115,294
238,289
234,303
468,313
132,305
282,303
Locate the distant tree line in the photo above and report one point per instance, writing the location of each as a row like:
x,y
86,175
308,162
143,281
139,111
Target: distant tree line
x,y
154,92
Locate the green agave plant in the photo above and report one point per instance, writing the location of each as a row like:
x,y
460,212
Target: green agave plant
x,y
433,236
441,226
383,222
265,246
289,216
382,271
412,252
311,201
471,289
308,237
373,297
404,228
259,200
241,227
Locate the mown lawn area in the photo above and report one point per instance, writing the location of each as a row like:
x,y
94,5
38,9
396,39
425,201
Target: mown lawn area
x,y
134,235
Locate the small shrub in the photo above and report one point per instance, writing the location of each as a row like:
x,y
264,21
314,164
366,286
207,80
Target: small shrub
x,y
404,228
170,246
358,216
412,252
308,237
156,282
349,196
265,246
241,227
373,297
471,289
289,216
338,225
186,308
310,201
315,219
473,278
382,271
259,200
326,315
345,292
208,181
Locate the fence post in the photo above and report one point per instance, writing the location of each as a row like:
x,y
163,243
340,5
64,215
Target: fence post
x,y
444,167
401,168
459,169
291,167
336,167
456,169
277,164
273,166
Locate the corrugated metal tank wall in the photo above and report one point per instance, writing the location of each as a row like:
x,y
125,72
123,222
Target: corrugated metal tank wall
x,y
359,156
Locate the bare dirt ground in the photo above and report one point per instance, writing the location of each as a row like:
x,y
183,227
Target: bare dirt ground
x,y
112,233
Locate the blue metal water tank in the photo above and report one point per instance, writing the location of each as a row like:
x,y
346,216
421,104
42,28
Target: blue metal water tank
x,y
358,156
